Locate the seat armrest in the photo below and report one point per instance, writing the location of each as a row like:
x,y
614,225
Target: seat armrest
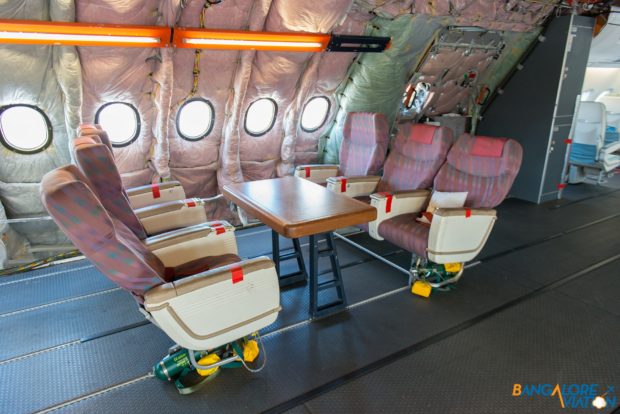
x,y
218,306
317,173
390,205
459,234
148,195
174,248
172,215
355,186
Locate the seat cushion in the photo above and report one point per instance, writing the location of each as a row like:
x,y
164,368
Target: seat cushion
x,y
200,265
583,154
407,233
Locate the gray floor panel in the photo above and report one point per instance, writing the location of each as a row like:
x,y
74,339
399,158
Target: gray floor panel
x,y
46,327
549,261
304,358
54,377
48,271
600,288
35,292
474,371
520,222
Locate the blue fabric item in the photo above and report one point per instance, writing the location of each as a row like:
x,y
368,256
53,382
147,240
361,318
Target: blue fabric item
x,y
611,135
583,154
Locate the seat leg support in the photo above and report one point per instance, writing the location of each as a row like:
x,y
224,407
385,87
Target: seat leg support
x,y
333,288
300,276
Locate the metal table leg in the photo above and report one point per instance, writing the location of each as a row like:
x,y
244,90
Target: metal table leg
x,y
317,309
290,278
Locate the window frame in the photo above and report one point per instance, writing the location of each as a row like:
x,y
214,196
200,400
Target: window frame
x,y
138,123
325,117
211,121
273,119
48,140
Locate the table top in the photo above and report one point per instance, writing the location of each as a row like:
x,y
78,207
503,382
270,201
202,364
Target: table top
x,y
295,207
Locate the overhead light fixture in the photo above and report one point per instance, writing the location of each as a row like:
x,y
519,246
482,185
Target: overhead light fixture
x,y
82,34
237,39
290,42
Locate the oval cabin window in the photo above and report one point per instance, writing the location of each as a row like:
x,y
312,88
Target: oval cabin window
x,y
195,119
315,113
24,128
121,120
260,116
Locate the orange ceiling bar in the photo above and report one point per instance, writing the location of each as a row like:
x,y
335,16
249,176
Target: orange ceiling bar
x,y
38,32
190,38
82,34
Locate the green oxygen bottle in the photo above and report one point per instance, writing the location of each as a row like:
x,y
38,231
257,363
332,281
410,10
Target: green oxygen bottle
x,y
171,366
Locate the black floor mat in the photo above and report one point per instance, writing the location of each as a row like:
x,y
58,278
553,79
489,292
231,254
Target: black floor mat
x,y
475,370
600,288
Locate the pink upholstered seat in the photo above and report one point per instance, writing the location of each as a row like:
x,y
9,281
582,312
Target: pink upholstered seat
x,y
112,247
364,143
484,167
417,153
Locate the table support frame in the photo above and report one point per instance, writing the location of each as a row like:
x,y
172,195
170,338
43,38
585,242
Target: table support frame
x,y
317,309
301,276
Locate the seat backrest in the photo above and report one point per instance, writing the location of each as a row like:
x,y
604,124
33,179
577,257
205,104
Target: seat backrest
x,y
485,167
96,162
591,124
95,129
100,236
416,155
364,143
612,107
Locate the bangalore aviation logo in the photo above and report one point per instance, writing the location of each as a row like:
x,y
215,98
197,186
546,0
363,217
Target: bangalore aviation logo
x,y
581,396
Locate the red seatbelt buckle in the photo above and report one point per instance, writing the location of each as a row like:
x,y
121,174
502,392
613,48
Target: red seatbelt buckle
x,y
467,213
237,274
561,186
191,203
219,228
568,141
388,202
343,185
155,190
307,172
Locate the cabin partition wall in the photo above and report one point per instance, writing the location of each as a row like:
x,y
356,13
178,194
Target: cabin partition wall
x,y
537,106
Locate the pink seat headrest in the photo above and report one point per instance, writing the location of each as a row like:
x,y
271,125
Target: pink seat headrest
x,y
488,147
422,133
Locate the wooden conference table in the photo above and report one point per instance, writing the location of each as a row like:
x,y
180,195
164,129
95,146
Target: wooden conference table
x,y
294,208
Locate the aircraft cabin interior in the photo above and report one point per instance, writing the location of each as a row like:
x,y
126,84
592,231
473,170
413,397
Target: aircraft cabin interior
x,y
327,206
